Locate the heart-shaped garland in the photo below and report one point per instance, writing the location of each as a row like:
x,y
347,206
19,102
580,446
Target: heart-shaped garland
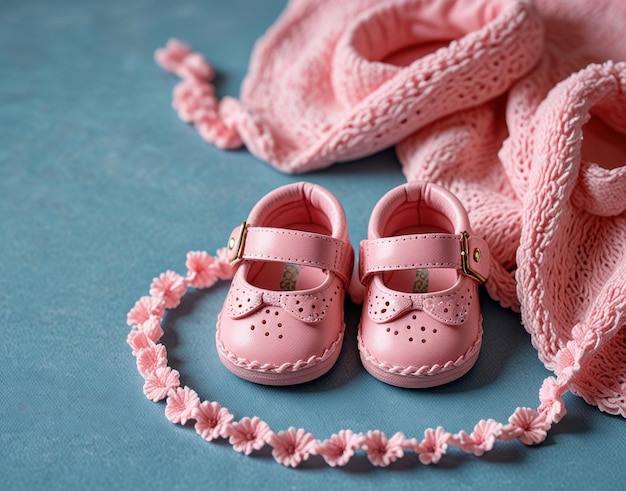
x,y
293,446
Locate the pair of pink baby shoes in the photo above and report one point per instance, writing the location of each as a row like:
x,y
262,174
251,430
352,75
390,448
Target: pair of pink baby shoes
x,y
282,322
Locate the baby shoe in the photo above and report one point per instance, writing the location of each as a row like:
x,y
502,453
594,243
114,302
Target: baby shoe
x,y
421,324
282,321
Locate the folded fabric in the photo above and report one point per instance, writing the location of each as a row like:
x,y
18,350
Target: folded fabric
x,y
488,98
517,163
334,81
571,259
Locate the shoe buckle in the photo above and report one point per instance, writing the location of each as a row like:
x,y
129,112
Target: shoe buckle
x,y
236,244
465,259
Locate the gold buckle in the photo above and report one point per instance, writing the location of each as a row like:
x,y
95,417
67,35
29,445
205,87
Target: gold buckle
x,y
465,262
236,244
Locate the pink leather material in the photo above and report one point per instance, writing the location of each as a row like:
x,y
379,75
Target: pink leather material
x,y
423,335
425,338
278,334
384,304
481,261
420,251
306,307
274,336
386,213
295,247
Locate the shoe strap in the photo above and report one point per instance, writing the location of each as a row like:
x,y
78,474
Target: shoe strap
x,y
291,246
465,253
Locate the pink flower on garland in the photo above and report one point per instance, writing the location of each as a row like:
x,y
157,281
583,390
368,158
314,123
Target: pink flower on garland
x,y
160,382
481,440
144,309
528,425
382,451
339,449
292,446
201,269
152,328
551,397
433,446
568,361
151,358
248,435
212,420
169,287
181,404
225,270
138,340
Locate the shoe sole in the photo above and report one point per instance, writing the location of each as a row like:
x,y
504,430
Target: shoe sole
x,y
420,381
286,377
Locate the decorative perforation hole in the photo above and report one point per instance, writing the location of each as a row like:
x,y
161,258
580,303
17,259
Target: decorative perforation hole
x,y
383,310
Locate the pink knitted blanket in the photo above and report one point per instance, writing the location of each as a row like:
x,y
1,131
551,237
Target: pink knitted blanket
x,y
519,109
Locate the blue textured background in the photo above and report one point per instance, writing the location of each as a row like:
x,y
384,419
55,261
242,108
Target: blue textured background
x,y
102,188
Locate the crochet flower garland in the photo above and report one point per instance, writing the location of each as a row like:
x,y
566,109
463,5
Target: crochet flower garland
x,y
293,446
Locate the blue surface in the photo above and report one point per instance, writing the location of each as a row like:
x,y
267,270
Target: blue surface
x,y
102,188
